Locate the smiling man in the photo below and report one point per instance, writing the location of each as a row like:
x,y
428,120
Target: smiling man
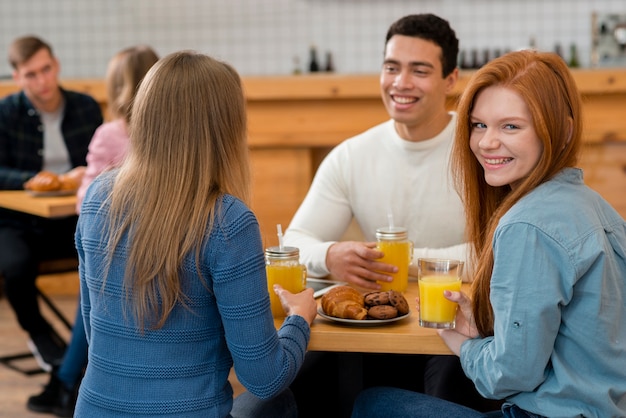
x,y
399,168
42,127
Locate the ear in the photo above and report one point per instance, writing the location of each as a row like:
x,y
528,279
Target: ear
x,y
451,80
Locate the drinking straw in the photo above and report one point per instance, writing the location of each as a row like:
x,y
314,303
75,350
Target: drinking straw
x,y
280,236
390,219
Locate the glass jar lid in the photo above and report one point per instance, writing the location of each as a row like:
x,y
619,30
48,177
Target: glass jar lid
x,y
392,233
282,253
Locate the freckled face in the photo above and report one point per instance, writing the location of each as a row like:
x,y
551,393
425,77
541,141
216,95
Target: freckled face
x,y
502,136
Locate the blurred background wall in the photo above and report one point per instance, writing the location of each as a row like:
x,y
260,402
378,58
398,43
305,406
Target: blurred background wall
x,y
273,37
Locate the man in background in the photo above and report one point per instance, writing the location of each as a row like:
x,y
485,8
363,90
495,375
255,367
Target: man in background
x,y
42,127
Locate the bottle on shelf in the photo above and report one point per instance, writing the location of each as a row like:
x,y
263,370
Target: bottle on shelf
x,y
330,64
486,56
460,58
476,64
296,66
573,56
314,65
463,61
558,50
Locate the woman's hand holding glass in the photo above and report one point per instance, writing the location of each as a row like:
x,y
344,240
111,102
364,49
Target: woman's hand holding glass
x,y
465,327
302,303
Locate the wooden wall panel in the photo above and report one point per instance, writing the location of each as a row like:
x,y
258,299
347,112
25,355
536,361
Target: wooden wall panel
x,y
311,123
604,117
281,178
604,167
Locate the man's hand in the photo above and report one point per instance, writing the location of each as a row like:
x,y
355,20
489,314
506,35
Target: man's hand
x,y
355,262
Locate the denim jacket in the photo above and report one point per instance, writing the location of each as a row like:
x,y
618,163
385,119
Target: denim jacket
x,y
558,292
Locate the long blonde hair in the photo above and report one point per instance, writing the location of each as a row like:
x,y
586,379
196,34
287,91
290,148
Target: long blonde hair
x,y
549,90
187,147
124,74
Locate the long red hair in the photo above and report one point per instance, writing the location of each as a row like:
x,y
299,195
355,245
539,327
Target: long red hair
x,y
545,83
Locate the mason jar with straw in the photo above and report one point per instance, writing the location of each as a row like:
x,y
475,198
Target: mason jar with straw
x,y
283,267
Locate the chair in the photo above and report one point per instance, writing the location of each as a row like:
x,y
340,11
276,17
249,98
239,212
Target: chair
x,y
47,267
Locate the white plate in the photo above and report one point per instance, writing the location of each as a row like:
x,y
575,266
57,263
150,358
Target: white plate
x,y
51,193
361,322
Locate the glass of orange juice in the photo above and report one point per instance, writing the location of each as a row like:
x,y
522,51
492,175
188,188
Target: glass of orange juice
x,y
393,242
283,267
435,276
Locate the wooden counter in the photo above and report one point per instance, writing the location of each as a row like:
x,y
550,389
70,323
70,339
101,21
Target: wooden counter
x,y
295,120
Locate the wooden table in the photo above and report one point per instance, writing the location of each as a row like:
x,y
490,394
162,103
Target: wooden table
x,y
44,206
401,337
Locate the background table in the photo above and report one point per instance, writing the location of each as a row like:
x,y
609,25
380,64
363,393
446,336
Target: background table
x,y
45,206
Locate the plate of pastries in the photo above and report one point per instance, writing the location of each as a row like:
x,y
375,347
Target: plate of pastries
x,y
346,305
47,183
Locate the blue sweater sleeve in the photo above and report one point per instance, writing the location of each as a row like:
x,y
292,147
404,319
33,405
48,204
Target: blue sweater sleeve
x,y
266,361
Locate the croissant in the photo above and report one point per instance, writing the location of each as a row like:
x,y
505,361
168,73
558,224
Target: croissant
x,y
68,182
44,181
344,302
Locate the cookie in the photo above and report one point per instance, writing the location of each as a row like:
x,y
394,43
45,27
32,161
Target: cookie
x,y
382,312
377,298
397,300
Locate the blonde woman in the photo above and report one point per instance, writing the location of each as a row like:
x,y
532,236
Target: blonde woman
x,y
172,270
106,149
546,326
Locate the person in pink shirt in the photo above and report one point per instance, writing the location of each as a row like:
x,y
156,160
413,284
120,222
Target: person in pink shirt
x,y
110,141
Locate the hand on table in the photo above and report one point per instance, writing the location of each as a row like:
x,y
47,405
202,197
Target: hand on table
x,y
355,262
302,303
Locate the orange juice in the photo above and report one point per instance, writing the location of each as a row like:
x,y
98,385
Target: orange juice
x,y
397,253
290,277
434,307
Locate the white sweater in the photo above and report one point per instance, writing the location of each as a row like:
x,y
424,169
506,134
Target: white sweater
x,y
372,174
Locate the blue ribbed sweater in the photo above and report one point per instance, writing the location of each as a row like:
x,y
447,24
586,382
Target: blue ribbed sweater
x,y
181,370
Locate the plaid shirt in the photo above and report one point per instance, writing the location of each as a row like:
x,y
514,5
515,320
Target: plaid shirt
x,y
21,135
